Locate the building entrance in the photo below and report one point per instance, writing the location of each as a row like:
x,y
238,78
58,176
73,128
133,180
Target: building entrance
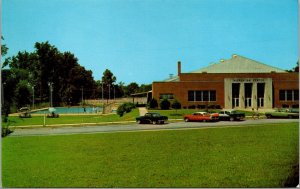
x,y
248,95
235,94
260,94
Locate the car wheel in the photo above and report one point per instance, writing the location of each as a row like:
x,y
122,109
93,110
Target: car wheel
x,y
290,117
231,119
186,120
154,122
204,120
269,116
138,121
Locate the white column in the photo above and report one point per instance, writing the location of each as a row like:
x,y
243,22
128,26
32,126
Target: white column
x,y
268,96
228,93
254,95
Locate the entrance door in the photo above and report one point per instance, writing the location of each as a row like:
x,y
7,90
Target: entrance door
x,y
235,102
248,102
260,102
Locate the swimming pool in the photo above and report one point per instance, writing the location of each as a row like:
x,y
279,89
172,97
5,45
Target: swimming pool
x,y
71,110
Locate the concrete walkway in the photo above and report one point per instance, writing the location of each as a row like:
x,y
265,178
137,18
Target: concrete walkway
x,y
143,111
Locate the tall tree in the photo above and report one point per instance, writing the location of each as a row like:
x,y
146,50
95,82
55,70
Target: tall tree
x,y
108,80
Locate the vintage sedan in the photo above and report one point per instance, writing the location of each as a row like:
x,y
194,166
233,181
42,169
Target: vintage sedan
x,y
154,118
201,116
283,113
231,115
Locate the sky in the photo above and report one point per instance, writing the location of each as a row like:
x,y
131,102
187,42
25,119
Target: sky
x,y
142,40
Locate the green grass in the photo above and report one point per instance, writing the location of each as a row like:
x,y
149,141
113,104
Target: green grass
x,y
72,119
253,156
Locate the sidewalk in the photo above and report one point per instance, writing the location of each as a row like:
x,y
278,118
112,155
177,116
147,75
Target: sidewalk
x,y
143,111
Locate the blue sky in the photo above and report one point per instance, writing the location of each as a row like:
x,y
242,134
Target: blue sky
x,y
142,40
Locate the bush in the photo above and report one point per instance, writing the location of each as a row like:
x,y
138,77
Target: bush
x,y
125,108
165,104
192,107
152,104
5,131
176,104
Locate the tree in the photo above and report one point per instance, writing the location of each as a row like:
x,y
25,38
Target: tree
x,y
22,94
131,88
4,48
108,79
152,104
165,104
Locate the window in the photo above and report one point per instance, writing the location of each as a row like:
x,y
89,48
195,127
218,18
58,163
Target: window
x,y
191,96
282,95
168,96
289,95
201,96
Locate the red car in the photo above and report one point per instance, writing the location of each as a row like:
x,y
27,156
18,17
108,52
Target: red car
x,y
201,116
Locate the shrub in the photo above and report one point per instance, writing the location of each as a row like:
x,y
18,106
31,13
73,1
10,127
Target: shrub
x,y
176,104
192,107
165,104
125,108
152,104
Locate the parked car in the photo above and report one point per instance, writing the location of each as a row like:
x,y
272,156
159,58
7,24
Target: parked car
x,y
24,112
231,115
201,116
283,113
154,118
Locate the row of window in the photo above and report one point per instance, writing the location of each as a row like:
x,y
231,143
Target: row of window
x,y
202,96
210,95
289,95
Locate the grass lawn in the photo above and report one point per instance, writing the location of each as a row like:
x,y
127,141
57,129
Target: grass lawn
x,y
253,156
69,119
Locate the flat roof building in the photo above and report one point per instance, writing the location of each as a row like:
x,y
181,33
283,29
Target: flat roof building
x,y
239,83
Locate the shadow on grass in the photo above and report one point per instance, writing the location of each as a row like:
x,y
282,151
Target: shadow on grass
x,y
293,179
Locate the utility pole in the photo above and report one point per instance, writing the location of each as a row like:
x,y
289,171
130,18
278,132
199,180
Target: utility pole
x,y
82,96
109,91
32,97
51,90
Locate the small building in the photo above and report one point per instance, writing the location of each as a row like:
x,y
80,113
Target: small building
x,y
239,83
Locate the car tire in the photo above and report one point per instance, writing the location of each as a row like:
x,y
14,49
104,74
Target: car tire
x,y
138,121
231,119
204,120
268,116
186,120
154,122
290,117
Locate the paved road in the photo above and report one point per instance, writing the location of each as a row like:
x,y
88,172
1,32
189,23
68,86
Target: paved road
x,y
133,127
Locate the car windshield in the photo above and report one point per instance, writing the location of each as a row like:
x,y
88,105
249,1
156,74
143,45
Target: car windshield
x,y
156,115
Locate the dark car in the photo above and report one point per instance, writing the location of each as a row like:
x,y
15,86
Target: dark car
x,y
154,118
283,113
231,115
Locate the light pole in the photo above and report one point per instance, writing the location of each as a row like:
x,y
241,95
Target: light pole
x,y
51,89
82,96
114,93
32,96
102,92
109,91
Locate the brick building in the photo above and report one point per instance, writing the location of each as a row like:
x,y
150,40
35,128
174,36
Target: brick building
x,y
235,83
